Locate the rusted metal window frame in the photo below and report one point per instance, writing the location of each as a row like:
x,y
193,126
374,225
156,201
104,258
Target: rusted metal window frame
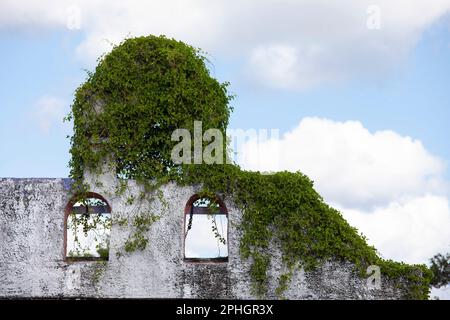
x,y
203,210
70,209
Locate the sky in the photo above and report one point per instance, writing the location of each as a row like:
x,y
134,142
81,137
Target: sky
x,y
359,91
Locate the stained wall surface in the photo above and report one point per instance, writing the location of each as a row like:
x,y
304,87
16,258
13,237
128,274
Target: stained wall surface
x,y
32,262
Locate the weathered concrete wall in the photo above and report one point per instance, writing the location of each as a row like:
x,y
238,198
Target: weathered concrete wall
x,y
32,260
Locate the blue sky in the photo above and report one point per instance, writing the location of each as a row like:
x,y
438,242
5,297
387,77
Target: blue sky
x,y
413,100
33,66
363,110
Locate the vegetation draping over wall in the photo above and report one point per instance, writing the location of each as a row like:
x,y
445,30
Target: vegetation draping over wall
x,y
149,86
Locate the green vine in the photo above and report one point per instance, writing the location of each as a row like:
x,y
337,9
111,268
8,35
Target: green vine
x,y
140,222
126,112
285,206
141,225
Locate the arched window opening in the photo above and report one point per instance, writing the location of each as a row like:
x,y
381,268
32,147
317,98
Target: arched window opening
x,y
205,230
88,227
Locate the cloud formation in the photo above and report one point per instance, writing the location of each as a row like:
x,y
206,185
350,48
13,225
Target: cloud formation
x,y
201,241
413,229
349,164
48,111
387,185
285,43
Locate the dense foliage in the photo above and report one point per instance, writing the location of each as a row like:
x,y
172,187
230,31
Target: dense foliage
x,y
138,95
440,266
149,86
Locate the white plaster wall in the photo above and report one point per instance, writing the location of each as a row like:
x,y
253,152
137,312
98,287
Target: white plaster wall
x,y
32,260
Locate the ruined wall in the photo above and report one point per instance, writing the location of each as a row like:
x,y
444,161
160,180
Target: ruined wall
x,y
32,260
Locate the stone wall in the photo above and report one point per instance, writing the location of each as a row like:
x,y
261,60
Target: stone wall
x,y
32,262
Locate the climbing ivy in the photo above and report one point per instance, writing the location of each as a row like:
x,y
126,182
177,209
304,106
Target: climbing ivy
x,y
138,95
284,206
141,224
126,111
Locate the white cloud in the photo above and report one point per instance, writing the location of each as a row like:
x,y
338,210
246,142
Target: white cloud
x,y
48,111
442,293
287,43
201,242
412,230
349,164
280,63
387,185
284,66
